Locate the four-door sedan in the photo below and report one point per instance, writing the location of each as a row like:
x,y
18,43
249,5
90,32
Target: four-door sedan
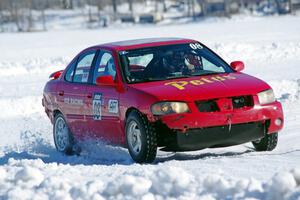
x,y
169,93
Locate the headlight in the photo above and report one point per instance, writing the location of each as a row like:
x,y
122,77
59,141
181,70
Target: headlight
x,y
164,108
266,97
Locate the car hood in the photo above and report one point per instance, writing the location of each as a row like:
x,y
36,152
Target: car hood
x,y
203,87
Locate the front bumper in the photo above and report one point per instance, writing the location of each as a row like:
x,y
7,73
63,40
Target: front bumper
x,y
220,136
198,130
195,119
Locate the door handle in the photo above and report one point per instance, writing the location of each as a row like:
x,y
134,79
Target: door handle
x,y
89,96
61,93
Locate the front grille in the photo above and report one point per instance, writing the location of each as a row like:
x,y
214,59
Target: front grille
x,y
242,102
215,105
207,106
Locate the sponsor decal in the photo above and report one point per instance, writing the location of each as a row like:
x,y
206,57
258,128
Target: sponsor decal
x,y
113,106
180,85
73,101
97,106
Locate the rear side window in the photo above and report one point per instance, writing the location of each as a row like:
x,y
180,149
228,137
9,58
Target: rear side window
x,y
83,67
70,72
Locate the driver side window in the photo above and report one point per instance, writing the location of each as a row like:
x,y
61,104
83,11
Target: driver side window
x,y
209,66
105,65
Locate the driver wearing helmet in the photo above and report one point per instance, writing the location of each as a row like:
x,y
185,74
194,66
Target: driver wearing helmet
x,y
174,61
192,62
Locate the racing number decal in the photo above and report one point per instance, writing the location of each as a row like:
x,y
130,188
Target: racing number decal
x,y
113,106
97,106
196,46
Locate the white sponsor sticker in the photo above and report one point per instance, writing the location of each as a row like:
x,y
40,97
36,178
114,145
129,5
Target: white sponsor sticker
x,y
73,101
97,106
113,106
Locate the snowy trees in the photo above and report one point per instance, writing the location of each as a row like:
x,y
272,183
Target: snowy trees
x,y
20,13
33,15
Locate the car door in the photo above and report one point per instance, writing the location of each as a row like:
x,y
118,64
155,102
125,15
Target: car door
x,y
103,105
73,93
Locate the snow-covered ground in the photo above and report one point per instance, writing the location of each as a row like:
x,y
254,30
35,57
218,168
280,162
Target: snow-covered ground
x,y
30,167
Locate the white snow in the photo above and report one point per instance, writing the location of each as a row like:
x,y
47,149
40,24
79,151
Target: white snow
x,y
30,167
33,179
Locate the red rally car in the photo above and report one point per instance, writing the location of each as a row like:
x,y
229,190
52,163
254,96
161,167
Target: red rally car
x,y
169,93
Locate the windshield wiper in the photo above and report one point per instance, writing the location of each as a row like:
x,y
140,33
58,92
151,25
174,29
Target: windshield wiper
x,y
148,80
175,77
208,73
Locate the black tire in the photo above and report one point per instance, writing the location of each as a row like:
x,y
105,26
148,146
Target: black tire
x,y
267,143
66,149
148,138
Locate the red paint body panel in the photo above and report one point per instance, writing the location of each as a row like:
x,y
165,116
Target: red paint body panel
x,y
108,128
242,84
79,113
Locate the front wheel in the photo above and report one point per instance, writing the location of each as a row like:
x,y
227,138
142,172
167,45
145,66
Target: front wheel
x,y
63,139
140,138
267,143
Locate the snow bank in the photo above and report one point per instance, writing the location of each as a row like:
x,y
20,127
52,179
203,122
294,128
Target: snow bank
x,y
32,179
32,66
286,90
20,107
266,52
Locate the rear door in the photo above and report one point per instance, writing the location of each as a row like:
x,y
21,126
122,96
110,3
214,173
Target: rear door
x,y
73,93
103,105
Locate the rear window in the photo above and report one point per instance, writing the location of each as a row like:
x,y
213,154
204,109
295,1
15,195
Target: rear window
x,y
83,67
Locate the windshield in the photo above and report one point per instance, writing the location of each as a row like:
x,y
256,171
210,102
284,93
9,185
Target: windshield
x,y
170,62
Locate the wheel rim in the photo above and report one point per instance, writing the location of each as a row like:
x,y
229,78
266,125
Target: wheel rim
x,y
134,137
61,134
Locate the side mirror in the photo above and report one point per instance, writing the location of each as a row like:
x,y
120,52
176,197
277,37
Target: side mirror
x,y
237,66
105,80
56,75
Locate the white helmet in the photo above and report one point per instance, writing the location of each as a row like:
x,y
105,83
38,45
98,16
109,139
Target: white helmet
x,y
111,69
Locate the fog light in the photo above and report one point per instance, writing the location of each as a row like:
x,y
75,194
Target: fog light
x,y
278,122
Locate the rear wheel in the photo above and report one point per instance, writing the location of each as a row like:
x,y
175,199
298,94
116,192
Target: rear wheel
x,y
140,138
63,138
267,143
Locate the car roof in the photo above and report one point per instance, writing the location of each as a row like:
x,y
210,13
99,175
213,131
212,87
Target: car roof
x,y
146,42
